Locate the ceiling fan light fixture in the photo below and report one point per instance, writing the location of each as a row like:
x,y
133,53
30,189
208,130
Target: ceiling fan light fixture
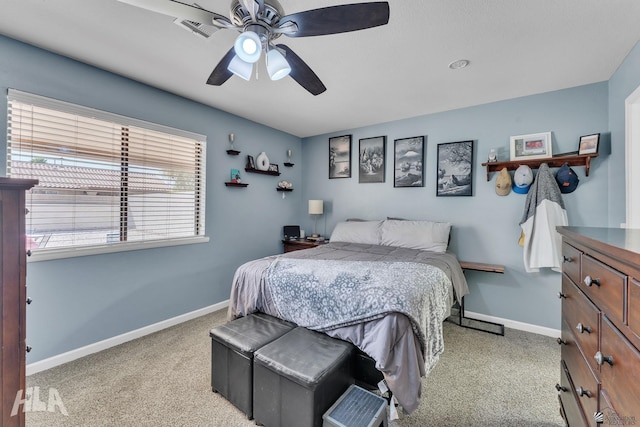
x,y
277,65
248,46
240,68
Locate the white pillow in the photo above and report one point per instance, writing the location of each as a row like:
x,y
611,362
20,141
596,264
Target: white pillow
x,y
365,232
424,235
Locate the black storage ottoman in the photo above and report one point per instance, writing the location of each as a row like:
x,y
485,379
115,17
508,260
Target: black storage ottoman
x,y
297,377
232,348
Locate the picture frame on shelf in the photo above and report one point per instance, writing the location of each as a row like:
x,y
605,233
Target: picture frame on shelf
x,y
273,168
372,159
235,176
532,146
589,144
340,157
455,169
408,162
251,163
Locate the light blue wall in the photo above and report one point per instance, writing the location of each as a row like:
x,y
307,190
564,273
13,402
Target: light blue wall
x,y
84,300
621,85
486,226
79,301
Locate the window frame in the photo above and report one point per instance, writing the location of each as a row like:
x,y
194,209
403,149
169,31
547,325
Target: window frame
x,y
199,189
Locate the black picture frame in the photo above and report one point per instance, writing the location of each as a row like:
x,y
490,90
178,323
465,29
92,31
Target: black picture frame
x,y
408,162
455,169
340,157
372,159
589,144
251,163
273,168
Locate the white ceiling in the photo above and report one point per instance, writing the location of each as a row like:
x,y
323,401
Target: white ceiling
x,y
396,71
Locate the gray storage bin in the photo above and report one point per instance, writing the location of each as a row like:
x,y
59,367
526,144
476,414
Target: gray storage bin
x,y
357,407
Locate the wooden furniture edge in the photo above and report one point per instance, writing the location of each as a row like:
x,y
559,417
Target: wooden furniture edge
x,y
481,266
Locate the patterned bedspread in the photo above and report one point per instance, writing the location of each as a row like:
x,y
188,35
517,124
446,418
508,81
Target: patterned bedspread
x,y
327,294
389,302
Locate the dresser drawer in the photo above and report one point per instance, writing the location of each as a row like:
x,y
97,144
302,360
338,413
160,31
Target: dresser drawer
x,y
568,401
571,260
582,317
634,307
585,384
620,378
605,286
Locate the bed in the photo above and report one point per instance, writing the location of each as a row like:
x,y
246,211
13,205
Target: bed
x,y
385,286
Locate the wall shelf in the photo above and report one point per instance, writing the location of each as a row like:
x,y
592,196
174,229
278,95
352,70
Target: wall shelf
x,y
553,162
288,164
235,184
233,152
284,189
273,173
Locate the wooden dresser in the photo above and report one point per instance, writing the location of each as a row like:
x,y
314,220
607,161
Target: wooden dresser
x,y
14,297
600,367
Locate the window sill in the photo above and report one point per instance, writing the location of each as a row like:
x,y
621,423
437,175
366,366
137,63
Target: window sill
x,y
52,254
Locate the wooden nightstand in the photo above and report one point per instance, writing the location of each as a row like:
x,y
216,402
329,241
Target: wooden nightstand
x,y
296,245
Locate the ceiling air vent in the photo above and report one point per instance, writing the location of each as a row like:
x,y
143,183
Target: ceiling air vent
x,y
202,30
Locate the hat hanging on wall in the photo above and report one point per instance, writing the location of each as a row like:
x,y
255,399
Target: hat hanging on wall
x,y
503,183
522,179
567,179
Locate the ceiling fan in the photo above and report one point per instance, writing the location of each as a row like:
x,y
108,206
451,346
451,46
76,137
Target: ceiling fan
x,y
260,23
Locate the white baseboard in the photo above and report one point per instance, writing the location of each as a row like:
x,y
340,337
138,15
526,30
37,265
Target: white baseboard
x,y
513,324
63,358
60,359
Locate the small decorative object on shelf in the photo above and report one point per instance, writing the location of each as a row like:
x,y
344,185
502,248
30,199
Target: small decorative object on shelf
x,y
232,151
251,164
273,168
288,162
262,162
235,176
493,155
285,186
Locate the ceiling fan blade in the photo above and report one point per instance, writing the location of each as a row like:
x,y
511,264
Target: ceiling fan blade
x,y
301,73
181,10
221,73
337,19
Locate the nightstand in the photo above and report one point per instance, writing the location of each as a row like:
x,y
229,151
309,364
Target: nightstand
x,y
296,245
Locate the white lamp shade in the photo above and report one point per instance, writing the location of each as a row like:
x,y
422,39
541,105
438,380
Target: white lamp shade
x,y
248,46
240,68
315,207
277,66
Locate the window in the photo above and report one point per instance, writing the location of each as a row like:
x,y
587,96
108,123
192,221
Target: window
x,y
105,181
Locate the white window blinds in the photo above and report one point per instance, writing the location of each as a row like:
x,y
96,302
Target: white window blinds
x,y
103,178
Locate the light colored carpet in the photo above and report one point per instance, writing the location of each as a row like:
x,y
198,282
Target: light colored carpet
x,y
163,379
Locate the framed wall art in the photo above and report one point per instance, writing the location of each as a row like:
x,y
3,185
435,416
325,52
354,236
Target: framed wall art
x,y
533,146
408,161
340,157
455,169
372,159
589,144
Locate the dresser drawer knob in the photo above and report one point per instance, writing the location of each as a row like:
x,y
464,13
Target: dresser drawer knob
x,y
560,341
562,295
589,281
601,358
582,392
28,349
582,329
566,259
560,388
29,300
